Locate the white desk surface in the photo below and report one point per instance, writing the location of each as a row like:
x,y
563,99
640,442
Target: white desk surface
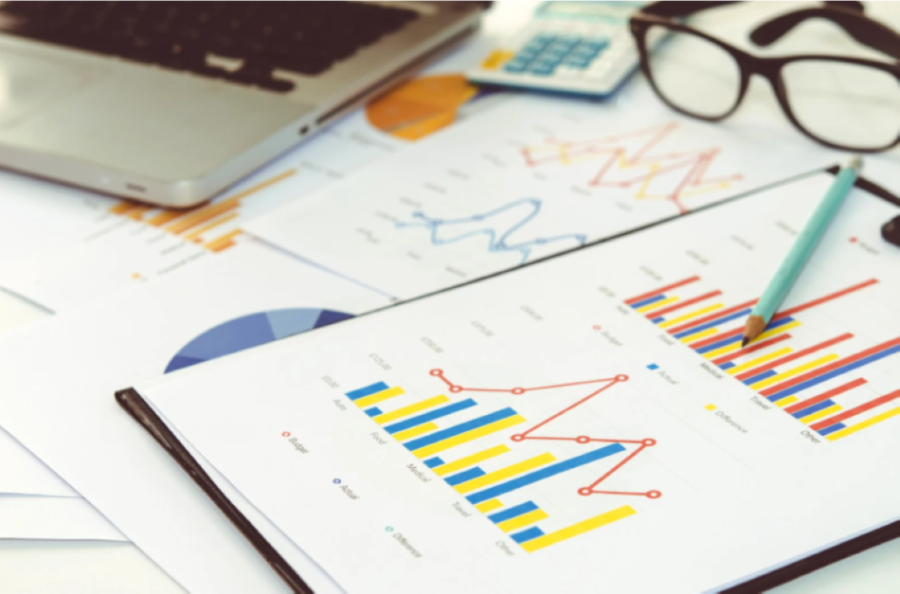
x,y
100,568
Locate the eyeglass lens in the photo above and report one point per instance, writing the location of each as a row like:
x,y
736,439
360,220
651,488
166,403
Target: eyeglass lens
x,y
851,105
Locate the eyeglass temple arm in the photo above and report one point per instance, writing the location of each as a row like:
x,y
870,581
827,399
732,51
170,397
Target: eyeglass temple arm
x,y
866,31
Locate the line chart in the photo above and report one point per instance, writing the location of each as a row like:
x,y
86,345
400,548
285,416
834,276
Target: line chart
x,y
499,236
642,149
529,434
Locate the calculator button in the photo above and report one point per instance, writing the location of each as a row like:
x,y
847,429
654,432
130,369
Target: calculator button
x,y
542,71
579,64
515,66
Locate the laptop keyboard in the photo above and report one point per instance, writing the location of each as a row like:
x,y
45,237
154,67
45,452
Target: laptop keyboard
x,y
303,37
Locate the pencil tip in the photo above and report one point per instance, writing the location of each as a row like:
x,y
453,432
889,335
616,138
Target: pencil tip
x,y
745,341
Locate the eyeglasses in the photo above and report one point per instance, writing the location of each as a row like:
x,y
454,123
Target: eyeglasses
x,y
844,103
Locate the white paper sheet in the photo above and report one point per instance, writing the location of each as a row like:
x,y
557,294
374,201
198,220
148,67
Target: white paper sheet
x,y
53,518
99,449
586,424
22,473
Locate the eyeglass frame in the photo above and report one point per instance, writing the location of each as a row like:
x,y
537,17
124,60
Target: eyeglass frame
x,y
848,15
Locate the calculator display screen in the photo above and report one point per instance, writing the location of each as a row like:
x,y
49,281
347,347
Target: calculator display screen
x,y
613,11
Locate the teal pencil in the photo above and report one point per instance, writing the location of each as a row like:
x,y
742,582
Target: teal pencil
x,y
800,252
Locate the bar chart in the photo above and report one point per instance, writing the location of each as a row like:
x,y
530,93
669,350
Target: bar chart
x,y
819,384
427,428
202,225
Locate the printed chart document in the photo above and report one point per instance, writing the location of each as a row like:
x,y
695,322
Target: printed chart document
x,y
537,177
589,423
69,419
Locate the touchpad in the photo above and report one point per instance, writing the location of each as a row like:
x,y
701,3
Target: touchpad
x,y
29,84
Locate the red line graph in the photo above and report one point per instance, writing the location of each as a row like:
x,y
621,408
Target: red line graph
x,y
695,162
529,434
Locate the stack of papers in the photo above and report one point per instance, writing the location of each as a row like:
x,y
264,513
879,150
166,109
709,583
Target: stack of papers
x,y
564,386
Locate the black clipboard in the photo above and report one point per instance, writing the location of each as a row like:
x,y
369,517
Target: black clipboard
x,y
137,407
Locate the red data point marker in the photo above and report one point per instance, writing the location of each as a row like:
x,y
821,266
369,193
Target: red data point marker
x,y
285,433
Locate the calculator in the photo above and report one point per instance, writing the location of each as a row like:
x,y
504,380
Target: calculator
x,y
583,48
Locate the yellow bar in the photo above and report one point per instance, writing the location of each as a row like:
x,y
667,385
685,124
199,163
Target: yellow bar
x,y
414,431
758,361
710,407
488,506
505,473
168,215
653,306
523,520
123,207
690,316
195,236
138,212
378,397
786,401
408,410
822,414
723,351
202,215
699,335
470,460
468,436
737,345
860,426
579,528
795,371
222,243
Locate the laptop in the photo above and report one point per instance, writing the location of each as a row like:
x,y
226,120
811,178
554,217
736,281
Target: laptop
x,y
172,102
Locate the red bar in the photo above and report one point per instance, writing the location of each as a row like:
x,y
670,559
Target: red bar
x,y
824,396
665,310
750,349
792,356
830,367
661,289
855,411
821,300
702,343
719,314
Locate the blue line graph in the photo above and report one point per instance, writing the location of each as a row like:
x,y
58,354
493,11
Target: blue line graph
x,y
498,239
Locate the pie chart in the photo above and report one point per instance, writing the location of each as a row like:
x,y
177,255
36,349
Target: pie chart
x,y
250,331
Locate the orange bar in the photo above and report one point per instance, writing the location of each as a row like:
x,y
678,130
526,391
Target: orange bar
x,y
264,184
138,213
123,207
224,242
168,215
195,236
201,216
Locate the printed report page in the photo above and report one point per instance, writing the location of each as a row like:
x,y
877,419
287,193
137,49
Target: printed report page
x,y
587,423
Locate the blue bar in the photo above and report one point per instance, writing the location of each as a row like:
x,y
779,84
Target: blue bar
x,y
832,429
547,472
526,535
653,367
367,391
461,477
720,344
658,320
726,365
647,301
717,345
814,408
833,373
760,377
459,429
433,462
713,323
373,412
430,416
512,512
